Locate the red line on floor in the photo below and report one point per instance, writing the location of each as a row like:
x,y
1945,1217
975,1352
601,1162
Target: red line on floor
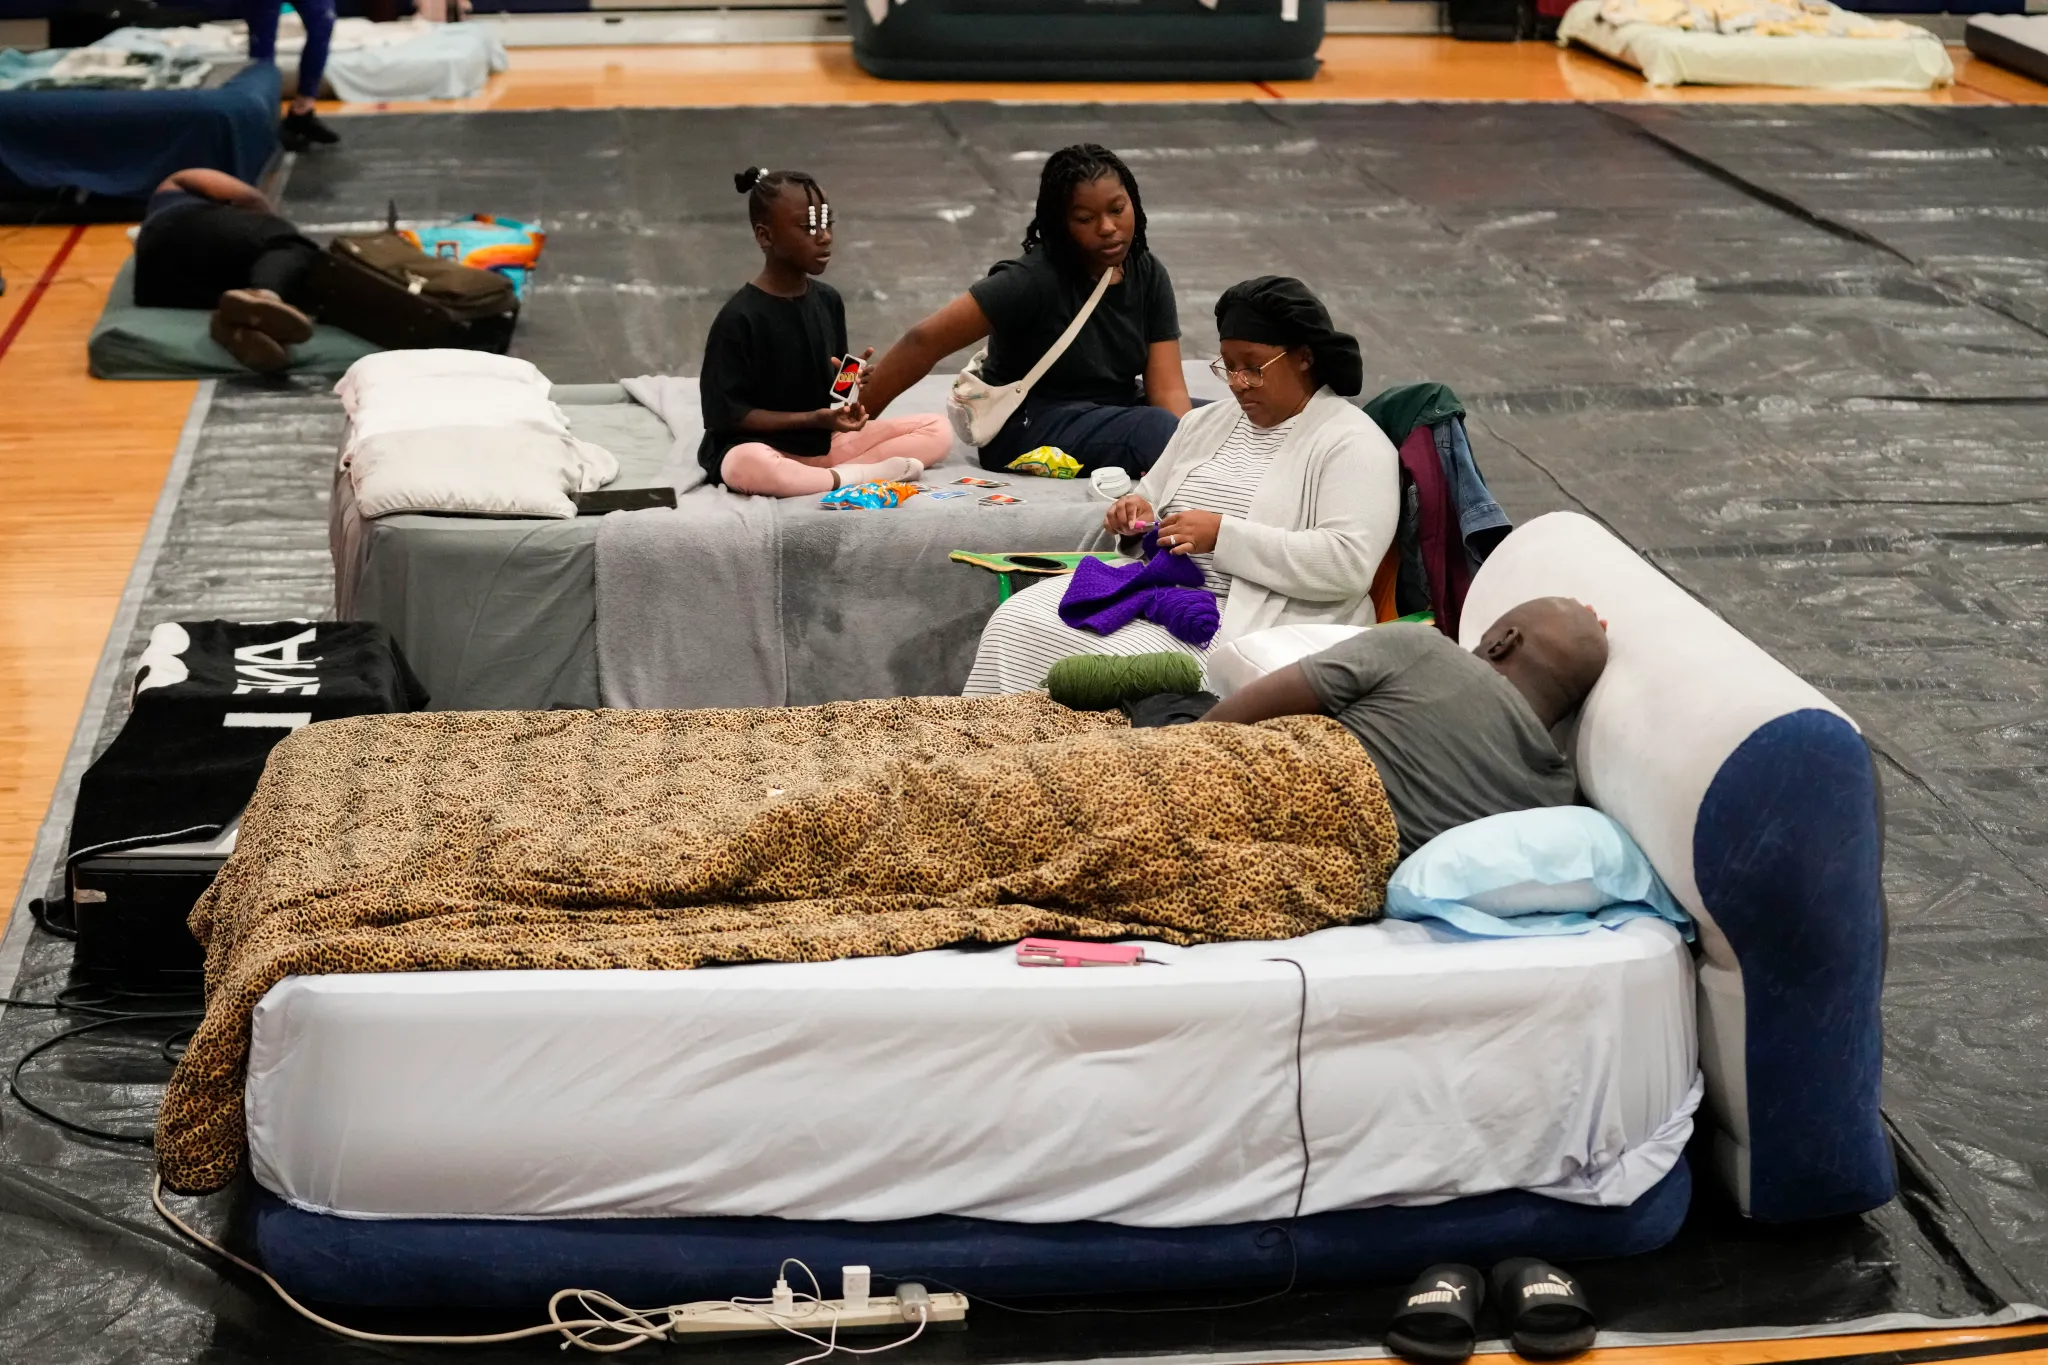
x,y
39,288
1269,90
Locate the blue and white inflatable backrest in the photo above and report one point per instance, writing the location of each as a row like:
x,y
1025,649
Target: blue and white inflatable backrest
x,y
1755,798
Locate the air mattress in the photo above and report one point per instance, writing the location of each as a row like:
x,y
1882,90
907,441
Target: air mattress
x,y
1078,40
2017,41
962,1084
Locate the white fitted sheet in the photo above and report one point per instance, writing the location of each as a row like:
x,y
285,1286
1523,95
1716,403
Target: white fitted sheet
x,y
1670,56
961,1083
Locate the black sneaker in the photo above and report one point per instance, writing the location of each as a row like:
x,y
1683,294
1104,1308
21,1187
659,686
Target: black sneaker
x,y
298,132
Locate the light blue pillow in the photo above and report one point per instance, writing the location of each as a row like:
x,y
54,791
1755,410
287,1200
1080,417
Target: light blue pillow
x,y
1555,870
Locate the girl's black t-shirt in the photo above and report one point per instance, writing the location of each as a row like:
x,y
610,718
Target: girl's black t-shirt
x,y
774,354
1029,302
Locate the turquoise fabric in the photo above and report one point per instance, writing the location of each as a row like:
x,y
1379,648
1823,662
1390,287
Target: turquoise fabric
x,y
172,343
1557,870
17,67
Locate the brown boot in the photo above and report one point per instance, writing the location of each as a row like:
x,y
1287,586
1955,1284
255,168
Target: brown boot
x,y
261,353
265,312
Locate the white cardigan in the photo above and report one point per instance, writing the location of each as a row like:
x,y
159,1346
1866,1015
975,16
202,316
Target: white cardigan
x,y
1320,522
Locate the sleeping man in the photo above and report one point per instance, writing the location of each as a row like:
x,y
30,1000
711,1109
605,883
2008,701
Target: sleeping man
x,y
1456,736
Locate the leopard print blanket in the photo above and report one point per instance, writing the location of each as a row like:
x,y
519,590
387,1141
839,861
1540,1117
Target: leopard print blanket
x,y
474,841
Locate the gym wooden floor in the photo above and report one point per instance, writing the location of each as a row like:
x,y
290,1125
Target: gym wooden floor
x,y
82,461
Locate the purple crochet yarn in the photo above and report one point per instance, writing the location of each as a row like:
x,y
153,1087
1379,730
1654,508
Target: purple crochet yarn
x,y
1166,589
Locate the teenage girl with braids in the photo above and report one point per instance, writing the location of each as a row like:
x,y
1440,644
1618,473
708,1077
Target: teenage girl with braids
x,y
772,354
1117,393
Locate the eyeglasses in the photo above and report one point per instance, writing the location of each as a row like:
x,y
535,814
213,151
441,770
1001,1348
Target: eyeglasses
x,y
1251,379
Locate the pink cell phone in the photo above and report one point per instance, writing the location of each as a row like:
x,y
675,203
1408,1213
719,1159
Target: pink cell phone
x,y
1059,952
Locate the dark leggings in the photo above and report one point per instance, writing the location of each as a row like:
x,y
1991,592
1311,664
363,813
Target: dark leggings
x,y
282,269
262,16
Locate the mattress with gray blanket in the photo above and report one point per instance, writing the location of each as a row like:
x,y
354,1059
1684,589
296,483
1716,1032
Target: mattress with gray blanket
x,y
495,613
726,600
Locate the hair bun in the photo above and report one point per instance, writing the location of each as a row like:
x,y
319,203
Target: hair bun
x,y
748,178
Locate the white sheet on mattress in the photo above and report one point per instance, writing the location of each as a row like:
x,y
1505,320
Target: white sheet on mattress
x,y
1669,56
956,1082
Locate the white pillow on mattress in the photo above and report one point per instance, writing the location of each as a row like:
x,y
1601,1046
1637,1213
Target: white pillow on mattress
x,y
476,471
1250,657
424,405
387,368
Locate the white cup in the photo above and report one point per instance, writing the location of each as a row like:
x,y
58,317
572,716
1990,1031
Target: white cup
x,y
1110,482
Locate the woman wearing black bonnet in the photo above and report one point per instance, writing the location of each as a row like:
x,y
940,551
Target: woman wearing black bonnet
x,y
1286,498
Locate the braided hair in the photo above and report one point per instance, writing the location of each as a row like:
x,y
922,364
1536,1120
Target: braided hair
x,y
1066,170
763,187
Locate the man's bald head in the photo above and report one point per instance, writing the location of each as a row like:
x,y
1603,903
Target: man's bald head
x,y
1552,649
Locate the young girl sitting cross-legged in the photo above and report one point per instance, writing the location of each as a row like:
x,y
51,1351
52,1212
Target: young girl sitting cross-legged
x,y
772,355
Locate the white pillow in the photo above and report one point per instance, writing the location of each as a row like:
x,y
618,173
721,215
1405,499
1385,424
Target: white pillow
x,y
423,405
478,471
1250,657
398,367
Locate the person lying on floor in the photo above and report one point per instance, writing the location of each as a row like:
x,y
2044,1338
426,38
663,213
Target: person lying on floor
x,y
1114,396
1456,736
210,241
771,357
1287,499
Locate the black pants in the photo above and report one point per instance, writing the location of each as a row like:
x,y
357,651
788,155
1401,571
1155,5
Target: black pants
x,y
1130,437
1168,708
188,256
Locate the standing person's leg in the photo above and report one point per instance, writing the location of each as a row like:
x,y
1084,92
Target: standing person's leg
x,y
261,16
302,128
926,438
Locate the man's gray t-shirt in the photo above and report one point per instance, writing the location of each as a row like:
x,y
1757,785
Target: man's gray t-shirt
x,y
1453,740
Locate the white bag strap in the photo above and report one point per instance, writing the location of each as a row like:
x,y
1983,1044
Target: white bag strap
x,y
1059,348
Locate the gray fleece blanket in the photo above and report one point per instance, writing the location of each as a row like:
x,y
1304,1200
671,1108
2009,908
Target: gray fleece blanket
x,y
737,601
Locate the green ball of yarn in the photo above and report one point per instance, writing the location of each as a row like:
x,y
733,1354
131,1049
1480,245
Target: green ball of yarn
x,y
1098,682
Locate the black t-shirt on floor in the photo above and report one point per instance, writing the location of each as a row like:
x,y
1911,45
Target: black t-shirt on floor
x,y
772,354
1029,303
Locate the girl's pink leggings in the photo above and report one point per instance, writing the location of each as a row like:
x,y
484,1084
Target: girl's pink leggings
x,y
756,467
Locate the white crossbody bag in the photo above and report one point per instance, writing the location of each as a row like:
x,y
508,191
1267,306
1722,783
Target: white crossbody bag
x,y
978,409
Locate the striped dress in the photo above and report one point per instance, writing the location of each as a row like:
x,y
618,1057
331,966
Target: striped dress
x,y
1026,637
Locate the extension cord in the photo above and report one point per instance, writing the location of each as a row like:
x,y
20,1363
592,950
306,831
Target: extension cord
x,y
609,1326
812,1316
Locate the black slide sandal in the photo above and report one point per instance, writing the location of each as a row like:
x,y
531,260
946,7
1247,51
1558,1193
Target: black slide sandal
x,y
1438,1320
1543,1309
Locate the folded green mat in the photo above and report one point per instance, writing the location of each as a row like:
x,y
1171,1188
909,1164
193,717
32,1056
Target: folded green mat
x,y
171,343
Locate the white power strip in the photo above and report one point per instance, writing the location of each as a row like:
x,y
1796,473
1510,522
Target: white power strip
x,y
608,1326
699,1319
